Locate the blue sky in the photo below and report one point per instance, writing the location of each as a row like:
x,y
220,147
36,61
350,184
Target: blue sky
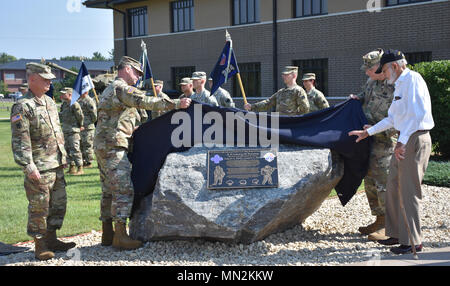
x,y
54,28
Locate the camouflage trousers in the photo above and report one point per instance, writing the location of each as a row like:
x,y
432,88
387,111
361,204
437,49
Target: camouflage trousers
x,y
117,188
47,202
87,145
72,145
376,178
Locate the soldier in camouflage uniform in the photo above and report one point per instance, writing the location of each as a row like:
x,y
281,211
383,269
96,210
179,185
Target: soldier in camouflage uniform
x,y
186,87
159,84
38,148
291,100
376,98
89,108
222,96
72,121
201,94
317,100
117,118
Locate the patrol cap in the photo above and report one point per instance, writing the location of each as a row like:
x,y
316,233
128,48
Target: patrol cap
x,y
185,80
24,86
40,69
158,82
290,69
308,76
199,75
371,59
388,57
125,60
66,90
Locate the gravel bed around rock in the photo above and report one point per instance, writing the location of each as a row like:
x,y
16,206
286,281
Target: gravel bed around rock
x,y
328,237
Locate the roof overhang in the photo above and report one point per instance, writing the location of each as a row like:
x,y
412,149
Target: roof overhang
x,y
106,4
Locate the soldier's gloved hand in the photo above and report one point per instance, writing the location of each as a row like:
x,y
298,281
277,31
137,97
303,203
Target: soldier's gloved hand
x,y
248,106
35,175
185,102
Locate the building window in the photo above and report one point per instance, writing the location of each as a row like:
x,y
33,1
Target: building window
x,y
10,76
251,80
182,15
402,2
317,66
414,58
304,8
178,73
137,22
245,12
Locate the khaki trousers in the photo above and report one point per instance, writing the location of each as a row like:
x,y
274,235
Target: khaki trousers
x,y
407,174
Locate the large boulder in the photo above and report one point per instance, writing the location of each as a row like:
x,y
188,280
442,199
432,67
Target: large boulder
x,y
181,207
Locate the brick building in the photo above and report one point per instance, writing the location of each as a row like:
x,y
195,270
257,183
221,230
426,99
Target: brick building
x,y
327,37
13,73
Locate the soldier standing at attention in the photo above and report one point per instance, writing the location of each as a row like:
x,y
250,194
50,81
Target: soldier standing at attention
x,y
71,117
159,84
317,100
201,94
38,147
291,100
222,96
376,98
186,87
89,108
117,119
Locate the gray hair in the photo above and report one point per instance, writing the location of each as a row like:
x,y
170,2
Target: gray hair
x,y
401,63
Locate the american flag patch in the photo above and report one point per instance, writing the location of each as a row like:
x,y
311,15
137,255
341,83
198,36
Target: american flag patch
x,y
16,118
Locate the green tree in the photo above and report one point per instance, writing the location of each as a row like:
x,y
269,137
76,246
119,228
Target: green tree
x,y
97,56
5,58
3,87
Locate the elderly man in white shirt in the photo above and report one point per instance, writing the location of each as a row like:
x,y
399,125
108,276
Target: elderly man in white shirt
x,y
410,114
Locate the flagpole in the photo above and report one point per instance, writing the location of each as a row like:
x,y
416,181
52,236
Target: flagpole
x,y
228,38
242,87
153,87
95,93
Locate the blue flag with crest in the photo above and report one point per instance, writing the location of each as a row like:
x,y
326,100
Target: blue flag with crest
x,y
226,66
82,84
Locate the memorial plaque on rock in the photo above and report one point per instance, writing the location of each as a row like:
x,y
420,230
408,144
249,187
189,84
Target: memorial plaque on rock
x,y
242,168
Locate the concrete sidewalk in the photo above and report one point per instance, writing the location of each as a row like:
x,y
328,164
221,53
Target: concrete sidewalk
x,y
430,257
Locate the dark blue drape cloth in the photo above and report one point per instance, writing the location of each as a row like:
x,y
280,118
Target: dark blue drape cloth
x,y
326,128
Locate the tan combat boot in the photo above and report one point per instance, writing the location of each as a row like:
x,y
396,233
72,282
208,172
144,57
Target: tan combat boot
x,y
121,239
57,245
378,235
80,171
371,228
41,251
108,233
88,165
72,170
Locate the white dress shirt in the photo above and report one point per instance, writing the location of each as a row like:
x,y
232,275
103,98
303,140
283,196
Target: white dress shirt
x,y
410,110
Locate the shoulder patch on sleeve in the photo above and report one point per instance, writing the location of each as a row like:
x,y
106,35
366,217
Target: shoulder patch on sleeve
x,y
16,118
131,90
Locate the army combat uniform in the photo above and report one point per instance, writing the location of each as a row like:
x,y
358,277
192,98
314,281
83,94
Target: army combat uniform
x,y
205,97
223,98
286,101
376,99
38,144
117,118
71,117
317,100
89,108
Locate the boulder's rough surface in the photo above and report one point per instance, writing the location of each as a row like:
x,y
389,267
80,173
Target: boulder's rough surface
x,y
181,207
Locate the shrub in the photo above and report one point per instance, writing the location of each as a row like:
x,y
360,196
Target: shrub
x,y
438,174
437,77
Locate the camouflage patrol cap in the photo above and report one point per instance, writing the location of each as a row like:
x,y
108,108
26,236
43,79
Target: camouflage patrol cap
x,y
24,86
159,82
43,70
308,76
199,75
125,60
185,80
66,90
371,59
290,69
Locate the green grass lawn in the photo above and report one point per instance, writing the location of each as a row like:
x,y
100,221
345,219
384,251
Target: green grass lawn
x,y
5,109
83,197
